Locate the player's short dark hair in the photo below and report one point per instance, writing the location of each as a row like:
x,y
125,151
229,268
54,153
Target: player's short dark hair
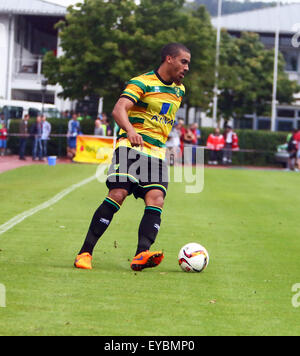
x,y
172,49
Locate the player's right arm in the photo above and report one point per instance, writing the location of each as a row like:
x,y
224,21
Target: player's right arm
x,y
120,114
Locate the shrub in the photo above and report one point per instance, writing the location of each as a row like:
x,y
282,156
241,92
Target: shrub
x,y
261,144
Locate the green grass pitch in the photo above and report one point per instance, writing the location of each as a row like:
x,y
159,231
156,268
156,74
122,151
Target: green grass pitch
x,y
247,219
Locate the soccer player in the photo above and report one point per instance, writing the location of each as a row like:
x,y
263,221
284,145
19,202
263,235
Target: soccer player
x,y
145,113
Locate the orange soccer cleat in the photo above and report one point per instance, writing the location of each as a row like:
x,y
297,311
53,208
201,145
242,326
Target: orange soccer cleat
x,y
146,259
84,261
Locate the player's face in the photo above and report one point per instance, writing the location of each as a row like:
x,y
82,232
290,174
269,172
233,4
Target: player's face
x,y
180,66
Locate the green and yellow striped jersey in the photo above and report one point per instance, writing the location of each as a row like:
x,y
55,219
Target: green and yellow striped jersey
x,y
153,115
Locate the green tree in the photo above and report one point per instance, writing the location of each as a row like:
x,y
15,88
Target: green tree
x,y
200,39
98,41
165,21
105,43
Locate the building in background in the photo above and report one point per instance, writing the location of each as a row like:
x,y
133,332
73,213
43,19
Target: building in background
x,y
26,34
264,22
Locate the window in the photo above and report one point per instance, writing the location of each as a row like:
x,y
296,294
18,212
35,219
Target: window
x,y
267,40
285,125
13,112
285,113
263,124
291,60
33,112
243,123
285,41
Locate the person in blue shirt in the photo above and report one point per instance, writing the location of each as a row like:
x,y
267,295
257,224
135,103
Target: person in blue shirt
x,y
73,132
36,132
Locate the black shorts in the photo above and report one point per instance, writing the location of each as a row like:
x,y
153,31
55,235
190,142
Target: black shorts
x,y
136,172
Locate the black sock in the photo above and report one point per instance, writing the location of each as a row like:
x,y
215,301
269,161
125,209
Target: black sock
x,y
149,227
100,222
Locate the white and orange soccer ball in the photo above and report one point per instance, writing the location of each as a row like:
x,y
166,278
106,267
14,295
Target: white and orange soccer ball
x,y
193,257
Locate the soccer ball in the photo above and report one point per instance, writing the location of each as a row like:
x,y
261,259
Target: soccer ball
x,y
193,257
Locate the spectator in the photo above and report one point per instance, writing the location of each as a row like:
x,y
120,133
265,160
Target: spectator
x,y
231,144
297,139
2,118
215,143
290,134
189,139
3,139
87,116
36,132
79,117
196,132
173,146
180,127
23,130
98,131
73,132
46,130
107,131
293,152
66,114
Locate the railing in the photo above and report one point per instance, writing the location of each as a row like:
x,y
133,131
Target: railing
x,y
28,68
241,158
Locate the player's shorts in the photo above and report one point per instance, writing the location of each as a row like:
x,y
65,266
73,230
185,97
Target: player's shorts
x,y
2,143
136,172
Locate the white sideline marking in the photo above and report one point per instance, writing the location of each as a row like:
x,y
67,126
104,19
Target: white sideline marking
x,y
20,217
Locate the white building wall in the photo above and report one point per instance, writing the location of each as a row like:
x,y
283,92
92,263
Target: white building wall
x,y
10,79
3,55
62,104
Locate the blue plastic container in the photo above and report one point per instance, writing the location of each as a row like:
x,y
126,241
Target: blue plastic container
x,y
52,160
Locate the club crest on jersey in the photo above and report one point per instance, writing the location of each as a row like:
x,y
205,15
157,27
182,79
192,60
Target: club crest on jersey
x,y
177,91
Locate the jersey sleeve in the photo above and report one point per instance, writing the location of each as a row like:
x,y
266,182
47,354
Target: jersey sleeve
x,y
134,90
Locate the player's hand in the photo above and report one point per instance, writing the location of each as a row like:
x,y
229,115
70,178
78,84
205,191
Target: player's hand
x,y
135,139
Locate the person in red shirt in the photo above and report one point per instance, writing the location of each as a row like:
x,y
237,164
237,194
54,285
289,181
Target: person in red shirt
x,y
3,139
297,139
196,132
180,127
215,143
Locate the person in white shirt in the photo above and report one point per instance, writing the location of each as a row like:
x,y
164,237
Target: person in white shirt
x,y
173,146
231,144
46,131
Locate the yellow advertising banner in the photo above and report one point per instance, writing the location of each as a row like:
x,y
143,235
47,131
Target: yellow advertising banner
x,y
94,149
